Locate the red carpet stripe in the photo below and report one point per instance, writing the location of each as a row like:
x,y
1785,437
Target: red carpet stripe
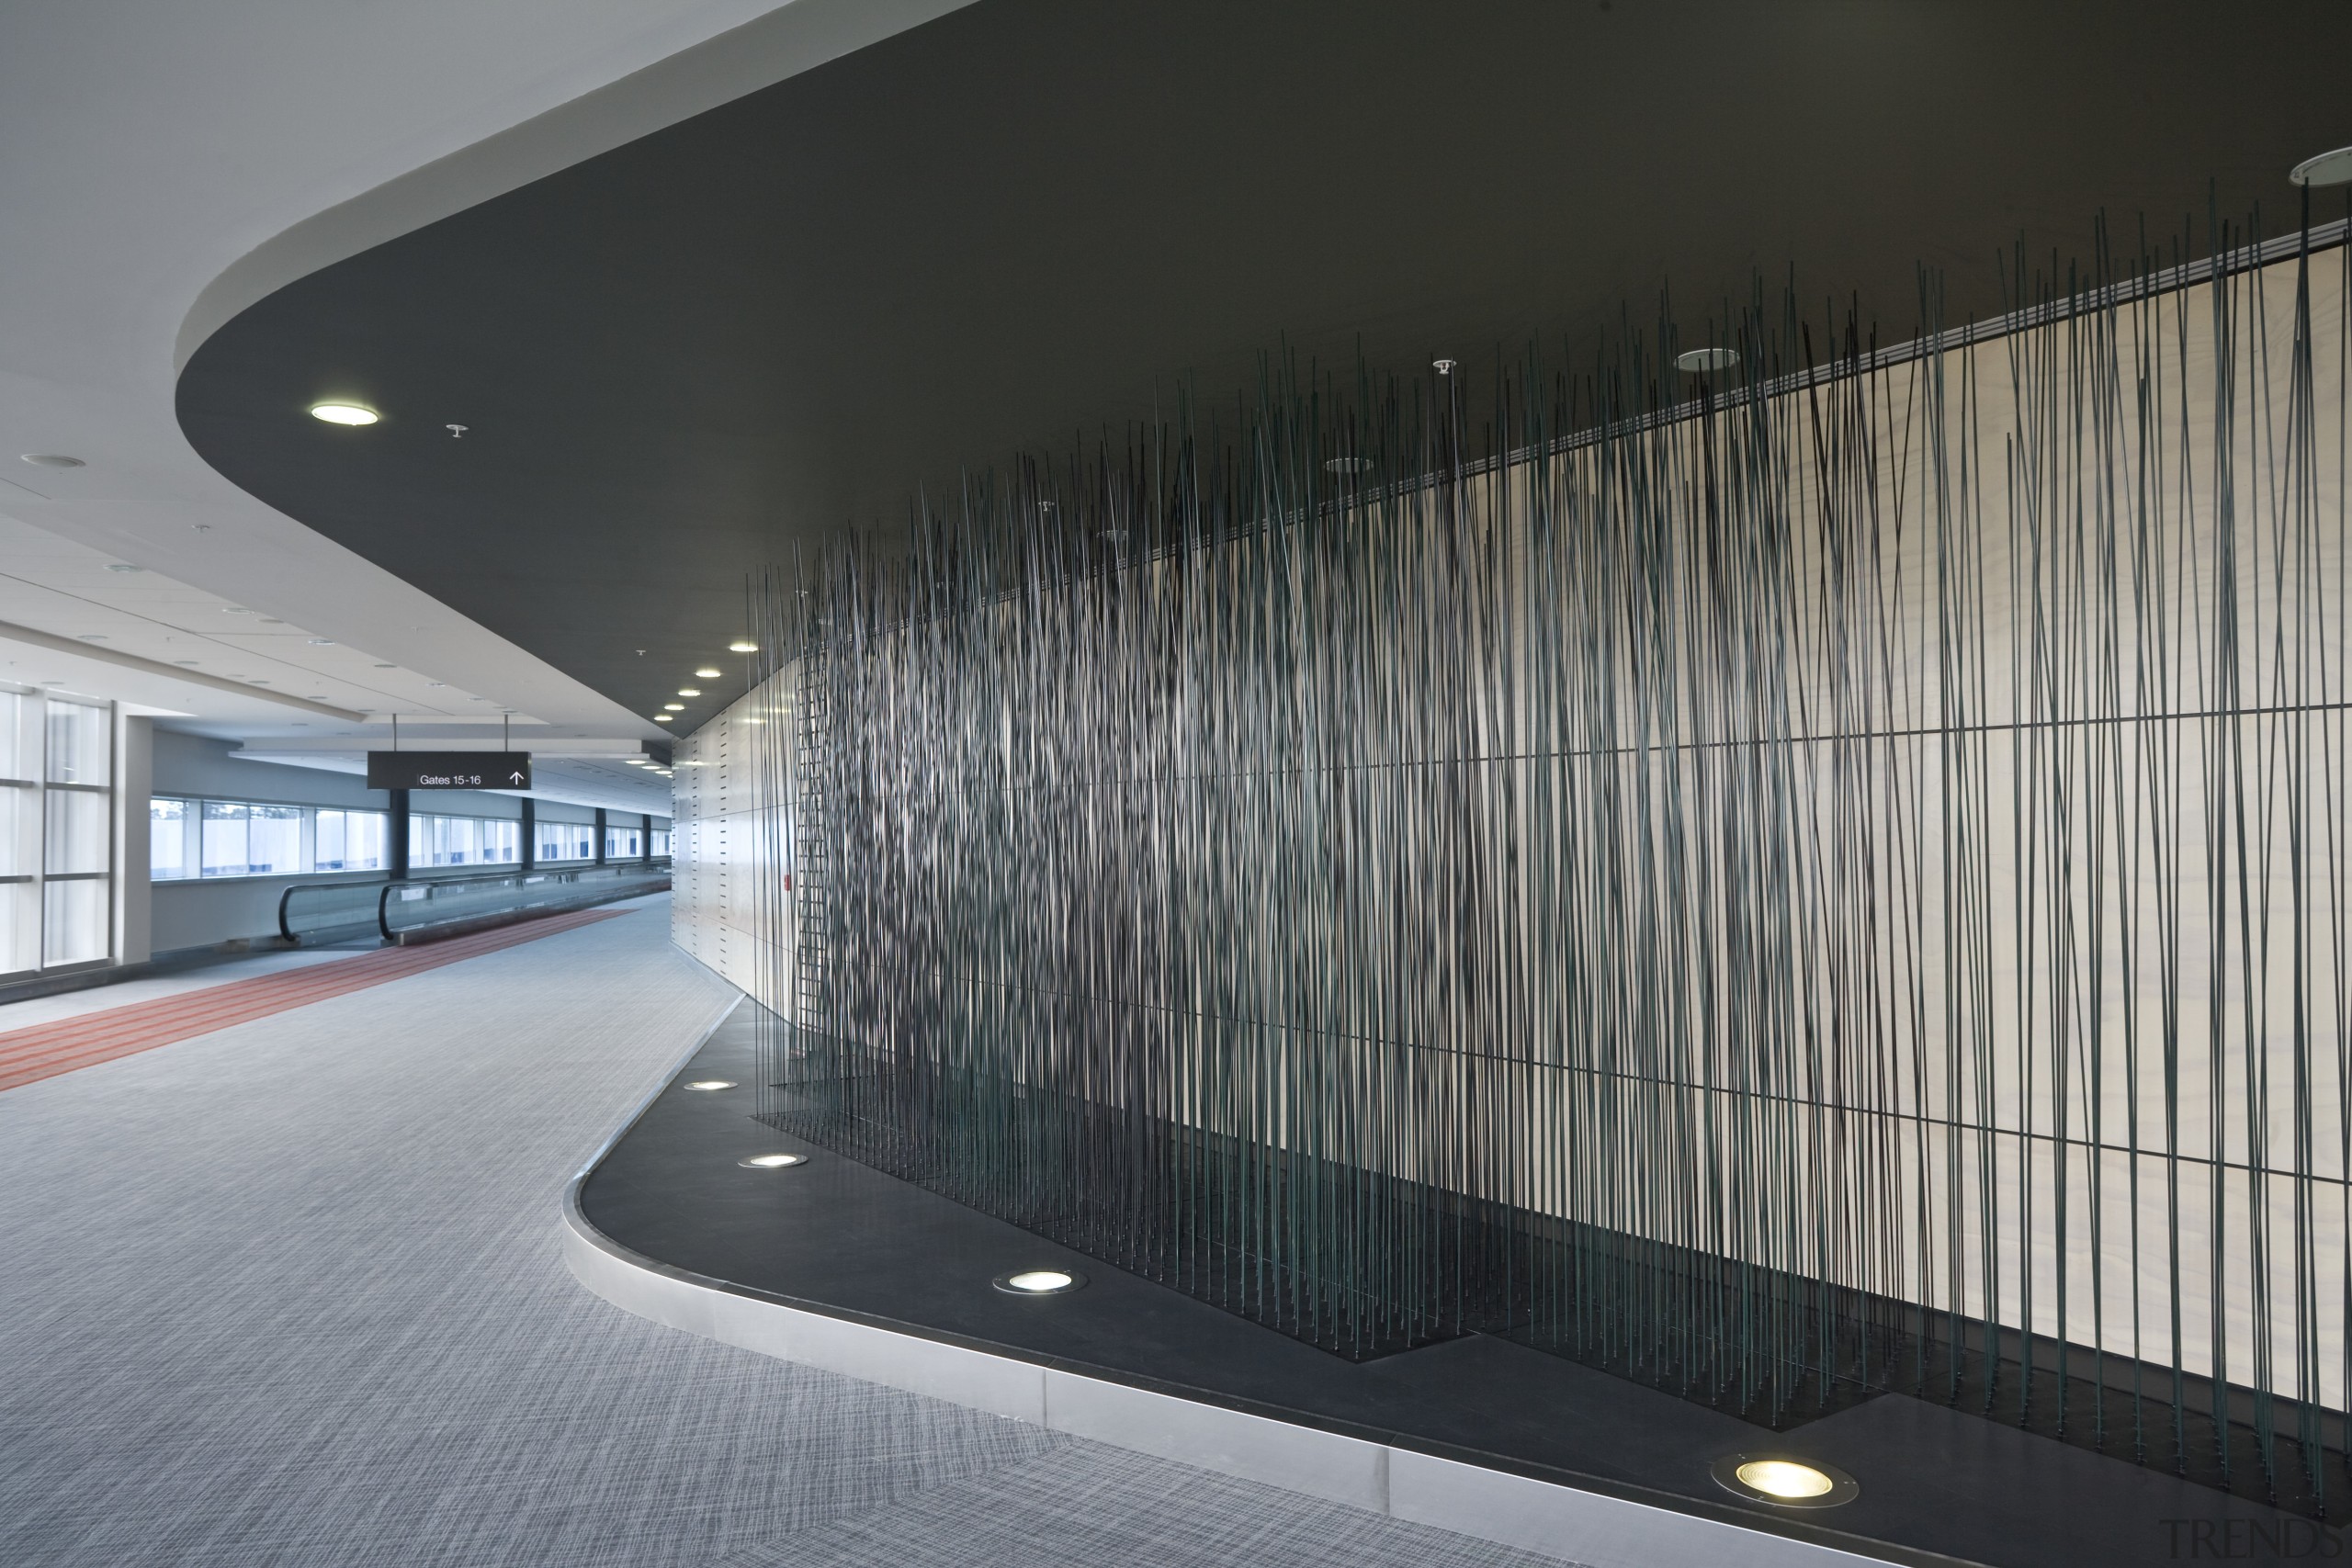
x,y
48,1049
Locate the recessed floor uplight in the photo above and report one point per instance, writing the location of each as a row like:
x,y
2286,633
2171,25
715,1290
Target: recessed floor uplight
x,y
773,1162
345,413
690,691
707,1085
52,460
1699,361
1039,1281
706,674
2328,169
1785,1482
739,647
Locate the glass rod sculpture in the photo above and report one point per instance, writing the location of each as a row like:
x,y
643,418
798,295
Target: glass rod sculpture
x,y
1822,875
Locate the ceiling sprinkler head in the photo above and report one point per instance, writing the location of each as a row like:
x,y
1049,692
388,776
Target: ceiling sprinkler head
x,y
457,432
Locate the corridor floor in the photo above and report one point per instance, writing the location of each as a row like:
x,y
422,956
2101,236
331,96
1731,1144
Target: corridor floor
x,y
290,1293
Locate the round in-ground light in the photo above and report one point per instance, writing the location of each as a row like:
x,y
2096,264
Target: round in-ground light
x,y
773,1162
1039,1281
705,1085
2328,169
1785,1481
1699,361
334,412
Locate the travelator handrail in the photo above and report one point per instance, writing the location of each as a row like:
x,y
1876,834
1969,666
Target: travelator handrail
x,y
420,909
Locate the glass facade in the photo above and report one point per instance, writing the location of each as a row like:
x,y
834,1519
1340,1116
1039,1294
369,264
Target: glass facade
x,y
57,839
194,839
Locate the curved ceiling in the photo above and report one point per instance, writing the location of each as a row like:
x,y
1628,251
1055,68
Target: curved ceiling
x,y
681,360
140,159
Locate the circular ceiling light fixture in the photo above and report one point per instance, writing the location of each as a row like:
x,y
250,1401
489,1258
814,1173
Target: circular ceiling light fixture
x,y
741,646
673,707
123,567
660,718
2328,169
704,1086
690,691
339,413
1347,465
1701,361
52,460
1785,1481
773,1162
1039,1281
322,642
706,674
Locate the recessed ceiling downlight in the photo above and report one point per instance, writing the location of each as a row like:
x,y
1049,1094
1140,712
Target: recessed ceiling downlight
x,y
690,691
52,460
337,412
2328,169
1699,361
706,674
773,1162
704,1086
1039,1281
739,645
1785,1481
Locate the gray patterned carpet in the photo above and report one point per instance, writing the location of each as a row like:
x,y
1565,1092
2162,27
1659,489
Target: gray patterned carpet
x,y
288,1295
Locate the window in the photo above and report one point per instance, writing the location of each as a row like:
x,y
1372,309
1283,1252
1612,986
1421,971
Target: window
x,y
242,838
166,839
56,831
464,840
566,840
623,843
351,840
661,844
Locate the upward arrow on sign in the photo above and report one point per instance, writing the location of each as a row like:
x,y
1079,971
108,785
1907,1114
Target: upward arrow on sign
x,y
517,776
